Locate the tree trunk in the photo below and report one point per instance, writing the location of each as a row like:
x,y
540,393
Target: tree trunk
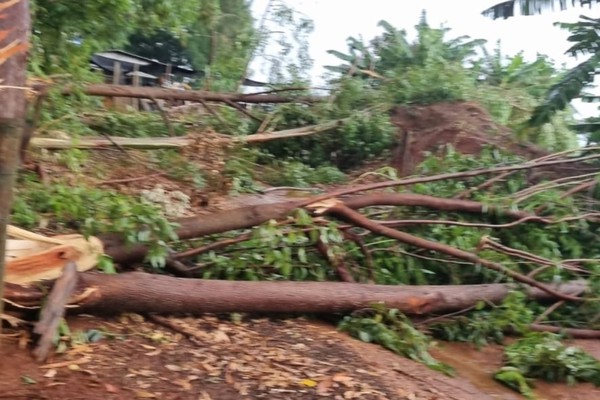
x,y
14,43
195,227
107,90
143,292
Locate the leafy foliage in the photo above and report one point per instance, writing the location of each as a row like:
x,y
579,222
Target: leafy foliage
x,y
276,252
394,331
482,326
543,356
434,68
360,137
92,212
129,124
68,31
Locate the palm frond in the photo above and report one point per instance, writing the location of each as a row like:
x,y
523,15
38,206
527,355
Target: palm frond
x,y
567,89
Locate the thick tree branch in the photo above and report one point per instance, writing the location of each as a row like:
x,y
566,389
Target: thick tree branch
x,y
342,211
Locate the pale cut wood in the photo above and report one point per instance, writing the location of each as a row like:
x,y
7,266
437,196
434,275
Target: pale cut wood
x,y
32,257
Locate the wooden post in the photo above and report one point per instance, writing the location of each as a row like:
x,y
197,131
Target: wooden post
x,y
117,73
116,81
136,82
14,44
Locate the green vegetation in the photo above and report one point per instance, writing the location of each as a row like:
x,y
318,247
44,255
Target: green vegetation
x,y
543,356
394,331
90,211
484,326
372,78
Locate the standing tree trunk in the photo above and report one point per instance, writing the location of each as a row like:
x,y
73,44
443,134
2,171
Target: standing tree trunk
x,y
14,43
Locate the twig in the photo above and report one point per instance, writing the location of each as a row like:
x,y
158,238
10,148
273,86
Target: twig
x,y
164,116
484,185
213,112
548,311
572,332
358,240
487,243
290,89
242,110
212,246
336,260
403,222
441,177
128,180
445,316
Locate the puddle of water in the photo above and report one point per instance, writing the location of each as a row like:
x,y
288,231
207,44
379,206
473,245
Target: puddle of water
x,y
478,367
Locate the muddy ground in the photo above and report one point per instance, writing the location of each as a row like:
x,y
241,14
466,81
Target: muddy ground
x,y
254,358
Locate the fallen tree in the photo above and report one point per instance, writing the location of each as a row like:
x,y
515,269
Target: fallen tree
x,y
148,143
142,292
108,90
249,216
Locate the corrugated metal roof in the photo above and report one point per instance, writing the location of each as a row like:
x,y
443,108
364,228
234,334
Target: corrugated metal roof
x,y
123,57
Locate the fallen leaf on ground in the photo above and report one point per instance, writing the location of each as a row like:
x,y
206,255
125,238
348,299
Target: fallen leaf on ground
x,y
82,360
51,373
308,383
324,386
145,395
111,388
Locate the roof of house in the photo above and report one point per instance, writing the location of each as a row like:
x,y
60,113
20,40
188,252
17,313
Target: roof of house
x,y
147,66
106,60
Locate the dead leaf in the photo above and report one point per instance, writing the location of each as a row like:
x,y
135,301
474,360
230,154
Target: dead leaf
x,y
221,337
324,386
62,364
308,383
229,377
145,395
111,388
153,353
343,379
204,396
183,383
174,368
51,373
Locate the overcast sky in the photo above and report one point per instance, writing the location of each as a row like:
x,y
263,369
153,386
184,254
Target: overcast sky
x,y
336,20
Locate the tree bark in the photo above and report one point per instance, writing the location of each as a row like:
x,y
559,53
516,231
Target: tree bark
x,y
143,292
14,43
198,226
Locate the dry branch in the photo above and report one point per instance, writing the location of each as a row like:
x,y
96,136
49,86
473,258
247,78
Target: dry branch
x,y
571,332
441,177
54,310
435,203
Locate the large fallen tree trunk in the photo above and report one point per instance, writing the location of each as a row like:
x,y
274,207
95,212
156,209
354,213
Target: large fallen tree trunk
x,y
149,143
143,292
107,90
249,216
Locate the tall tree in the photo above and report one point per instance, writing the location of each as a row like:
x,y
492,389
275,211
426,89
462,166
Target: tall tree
x,y
14,45
66,32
